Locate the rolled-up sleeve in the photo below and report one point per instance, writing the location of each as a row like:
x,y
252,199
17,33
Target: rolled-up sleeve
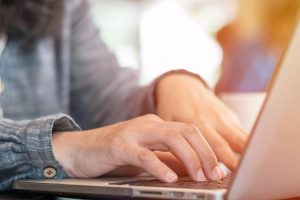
x,y
26,150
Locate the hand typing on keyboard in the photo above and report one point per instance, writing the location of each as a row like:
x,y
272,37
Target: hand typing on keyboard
x,y
96,152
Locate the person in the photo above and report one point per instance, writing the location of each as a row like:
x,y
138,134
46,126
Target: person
x,y
253,42
70,108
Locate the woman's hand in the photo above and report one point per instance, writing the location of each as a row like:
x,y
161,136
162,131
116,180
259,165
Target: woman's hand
x,y
97,152
183,98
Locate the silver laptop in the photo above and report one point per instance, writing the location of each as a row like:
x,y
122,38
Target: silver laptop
x,y
268,169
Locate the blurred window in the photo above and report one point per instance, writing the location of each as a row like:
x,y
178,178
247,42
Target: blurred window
x,y
159,35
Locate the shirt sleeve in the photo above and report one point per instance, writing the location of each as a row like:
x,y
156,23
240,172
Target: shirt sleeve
x,y
102,92
26,150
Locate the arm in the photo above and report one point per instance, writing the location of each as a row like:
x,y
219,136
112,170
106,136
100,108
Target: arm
x,y
105,150
102,92
26,150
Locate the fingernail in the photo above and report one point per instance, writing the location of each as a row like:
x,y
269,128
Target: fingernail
x,y
216,174
223,173
171,177
200,175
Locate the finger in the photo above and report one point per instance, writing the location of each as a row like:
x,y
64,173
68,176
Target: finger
x,y
170,138
172,162
223,174
180,147
149,162
233,134
226,155
221,148
204,152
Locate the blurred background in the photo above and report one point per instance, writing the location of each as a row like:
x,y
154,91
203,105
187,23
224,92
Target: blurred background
x,y
233,44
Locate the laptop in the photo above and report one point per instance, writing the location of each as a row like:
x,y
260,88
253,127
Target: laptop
x,y
269,167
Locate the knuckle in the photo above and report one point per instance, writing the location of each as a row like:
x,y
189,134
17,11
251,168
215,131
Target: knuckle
x,y
193,158
173,135
209,154
192,130
210,158
221,146
146,156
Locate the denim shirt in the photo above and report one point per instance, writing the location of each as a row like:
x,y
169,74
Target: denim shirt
x,y
66,83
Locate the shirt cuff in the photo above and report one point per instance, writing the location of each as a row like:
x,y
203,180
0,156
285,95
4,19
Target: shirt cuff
x,y
39,144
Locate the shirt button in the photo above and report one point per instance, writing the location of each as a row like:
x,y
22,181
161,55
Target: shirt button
x,y
49,172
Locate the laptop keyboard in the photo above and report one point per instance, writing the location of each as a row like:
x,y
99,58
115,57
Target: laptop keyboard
x,y
184,182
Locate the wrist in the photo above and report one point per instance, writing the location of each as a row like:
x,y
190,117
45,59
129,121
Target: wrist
x,y
173,86
178,78
66,147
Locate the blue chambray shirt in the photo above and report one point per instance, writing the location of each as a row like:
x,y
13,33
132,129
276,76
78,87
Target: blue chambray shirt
x,y
62,84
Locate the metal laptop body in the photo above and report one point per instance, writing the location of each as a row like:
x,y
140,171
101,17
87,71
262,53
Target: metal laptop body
x,y
269,167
